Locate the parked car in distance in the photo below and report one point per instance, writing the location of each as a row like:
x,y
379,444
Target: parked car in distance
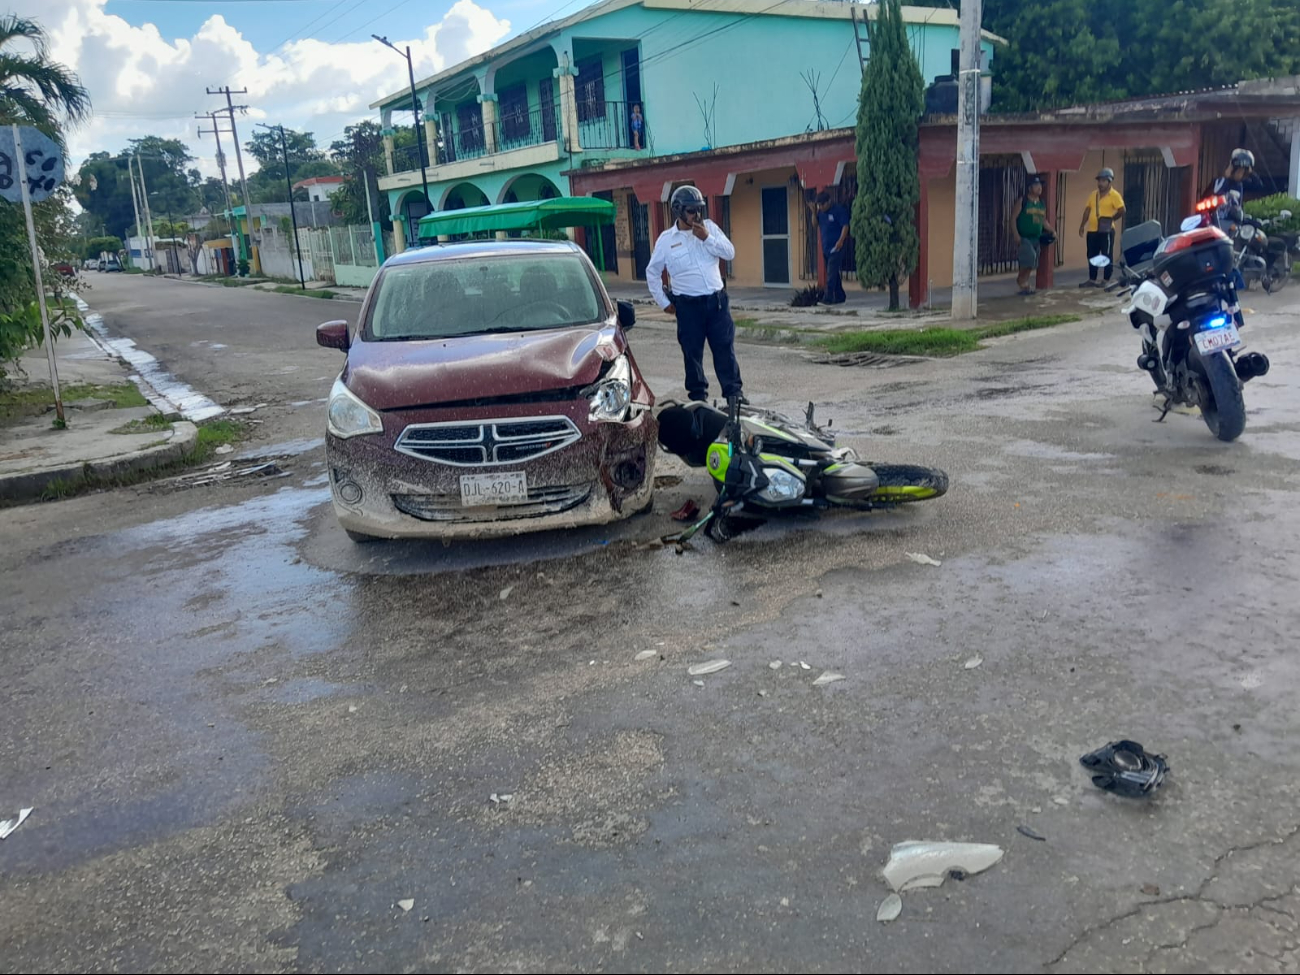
x,y
488,390
64,269
90,264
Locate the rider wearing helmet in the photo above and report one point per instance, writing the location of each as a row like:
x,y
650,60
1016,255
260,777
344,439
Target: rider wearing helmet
x,y
1240,175
689,251
1105,209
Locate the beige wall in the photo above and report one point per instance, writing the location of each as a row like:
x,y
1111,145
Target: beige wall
x,y
747,226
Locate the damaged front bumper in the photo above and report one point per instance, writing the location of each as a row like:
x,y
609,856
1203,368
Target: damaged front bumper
x,y
603,474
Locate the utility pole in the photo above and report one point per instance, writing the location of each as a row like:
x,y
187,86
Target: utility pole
x,y
148,217
225,186
239,158
135,207
415,112
293,213
965,248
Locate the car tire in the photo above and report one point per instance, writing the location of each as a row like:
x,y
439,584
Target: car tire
x,y
361,538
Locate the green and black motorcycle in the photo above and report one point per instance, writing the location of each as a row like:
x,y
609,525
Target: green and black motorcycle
x,y
761,462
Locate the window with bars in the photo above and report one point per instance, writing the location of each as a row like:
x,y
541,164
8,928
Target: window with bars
x,y
513,105
590,89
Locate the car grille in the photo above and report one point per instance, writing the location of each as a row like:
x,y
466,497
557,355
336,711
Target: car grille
x,y
489,443
447,507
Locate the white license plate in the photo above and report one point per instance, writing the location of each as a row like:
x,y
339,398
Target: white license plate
x,y
486,490
1218,339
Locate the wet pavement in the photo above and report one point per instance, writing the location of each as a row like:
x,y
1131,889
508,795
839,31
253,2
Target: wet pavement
x,y
251,745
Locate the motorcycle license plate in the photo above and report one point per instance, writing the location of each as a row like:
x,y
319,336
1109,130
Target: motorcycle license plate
x,y
1218,339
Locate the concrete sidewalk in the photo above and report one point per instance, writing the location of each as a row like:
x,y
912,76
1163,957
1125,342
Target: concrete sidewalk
x,y
111,431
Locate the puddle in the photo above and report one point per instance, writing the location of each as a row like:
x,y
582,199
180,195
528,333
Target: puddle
x,y
290,448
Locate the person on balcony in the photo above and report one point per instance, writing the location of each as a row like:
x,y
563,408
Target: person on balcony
x,y
690,251
638,127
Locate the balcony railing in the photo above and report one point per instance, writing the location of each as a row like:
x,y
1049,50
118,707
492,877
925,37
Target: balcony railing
x,y
517,128
601,125
406,158
609,125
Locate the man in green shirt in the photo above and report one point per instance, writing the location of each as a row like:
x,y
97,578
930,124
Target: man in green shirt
x,y
1030,223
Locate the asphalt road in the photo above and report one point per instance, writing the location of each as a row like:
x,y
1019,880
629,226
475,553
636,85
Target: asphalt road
x,y
252,746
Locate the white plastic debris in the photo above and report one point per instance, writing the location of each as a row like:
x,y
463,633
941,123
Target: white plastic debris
x,y
505,593
926,863
774,665
406,904
827,677
7,826
974,662
698,683
889,908
225,448
646,655
920,558
496,799
708,667
804,666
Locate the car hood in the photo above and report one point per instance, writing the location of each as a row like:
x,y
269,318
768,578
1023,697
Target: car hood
x,y
403,375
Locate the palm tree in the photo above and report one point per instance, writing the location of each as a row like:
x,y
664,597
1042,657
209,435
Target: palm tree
x,y
33,88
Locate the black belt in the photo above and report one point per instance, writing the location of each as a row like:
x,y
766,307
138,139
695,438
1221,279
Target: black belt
x,y
697,299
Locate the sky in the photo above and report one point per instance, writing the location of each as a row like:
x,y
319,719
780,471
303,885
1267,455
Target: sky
x,y
307,64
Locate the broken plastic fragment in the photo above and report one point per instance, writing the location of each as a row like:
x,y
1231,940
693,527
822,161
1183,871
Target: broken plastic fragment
x,y
827,677
1126,768
974,662
406,904
7,826
646,655
922,559
1026,831
698,683
774,665
927,863
687,512
890,908
708,667
505,593
804,666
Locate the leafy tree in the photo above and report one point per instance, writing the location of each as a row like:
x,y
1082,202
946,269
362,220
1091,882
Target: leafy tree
x,y
889,188
267,184
360,150
97,245
103,186
1076,51
34,89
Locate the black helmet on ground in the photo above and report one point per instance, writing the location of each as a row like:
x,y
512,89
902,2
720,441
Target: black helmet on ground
x,y
686,199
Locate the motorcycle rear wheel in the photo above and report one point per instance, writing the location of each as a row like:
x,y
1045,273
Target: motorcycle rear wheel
x,y
907,483
1224,408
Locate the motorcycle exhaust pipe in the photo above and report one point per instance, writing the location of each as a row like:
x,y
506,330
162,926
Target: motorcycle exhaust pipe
x,y
1250,366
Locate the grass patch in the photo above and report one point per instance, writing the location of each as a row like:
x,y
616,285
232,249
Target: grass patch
x,y
935,342
15,404
285,289
155,421
213,435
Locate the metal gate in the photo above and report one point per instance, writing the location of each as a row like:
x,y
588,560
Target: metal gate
x,y
810,234
1002,185
640,216
1152,191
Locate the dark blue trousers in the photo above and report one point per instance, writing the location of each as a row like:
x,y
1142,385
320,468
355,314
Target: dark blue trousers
x,y
707,319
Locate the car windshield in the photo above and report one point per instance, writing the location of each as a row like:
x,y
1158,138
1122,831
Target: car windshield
x,y
511,293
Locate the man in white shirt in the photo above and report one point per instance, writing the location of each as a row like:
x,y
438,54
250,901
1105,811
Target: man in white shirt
x,y
690,250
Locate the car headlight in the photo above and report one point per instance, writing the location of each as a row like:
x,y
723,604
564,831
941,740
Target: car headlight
x,y
348,416
781,486
611,398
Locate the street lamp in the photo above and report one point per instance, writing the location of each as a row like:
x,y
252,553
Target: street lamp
x,y
415,112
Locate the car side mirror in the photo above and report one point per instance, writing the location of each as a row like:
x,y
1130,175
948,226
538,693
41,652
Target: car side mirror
x,y
333,335
626,314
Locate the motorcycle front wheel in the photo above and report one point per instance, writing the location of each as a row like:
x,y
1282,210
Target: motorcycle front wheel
x,y
906,483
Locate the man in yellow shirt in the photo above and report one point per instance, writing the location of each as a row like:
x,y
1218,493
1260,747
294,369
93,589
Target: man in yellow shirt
x,y
1105,209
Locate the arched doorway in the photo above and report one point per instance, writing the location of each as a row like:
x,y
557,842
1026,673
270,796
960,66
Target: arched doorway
x,y
529,186
463,195
413,208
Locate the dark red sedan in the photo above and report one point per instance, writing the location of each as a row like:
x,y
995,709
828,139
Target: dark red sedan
x,y
489,389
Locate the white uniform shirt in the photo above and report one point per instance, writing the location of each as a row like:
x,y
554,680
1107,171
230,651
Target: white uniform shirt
x,y
692,263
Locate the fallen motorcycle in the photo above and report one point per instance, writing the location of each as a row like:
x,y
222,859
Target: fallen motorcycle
x,y
763,462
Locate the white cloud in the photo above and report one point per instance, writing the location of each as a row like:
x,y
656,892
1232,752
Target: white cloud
x,y
142,83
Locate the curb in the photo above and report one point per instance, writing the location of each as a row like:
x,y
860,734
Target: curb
x,y
30,485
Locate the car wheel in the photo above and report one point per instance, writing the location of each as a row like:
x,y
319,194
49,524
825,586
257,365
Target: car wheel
x,y
361,538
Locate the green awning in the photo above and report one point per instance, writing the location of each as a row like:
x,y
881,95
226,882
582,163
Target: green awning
x,y
554,214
